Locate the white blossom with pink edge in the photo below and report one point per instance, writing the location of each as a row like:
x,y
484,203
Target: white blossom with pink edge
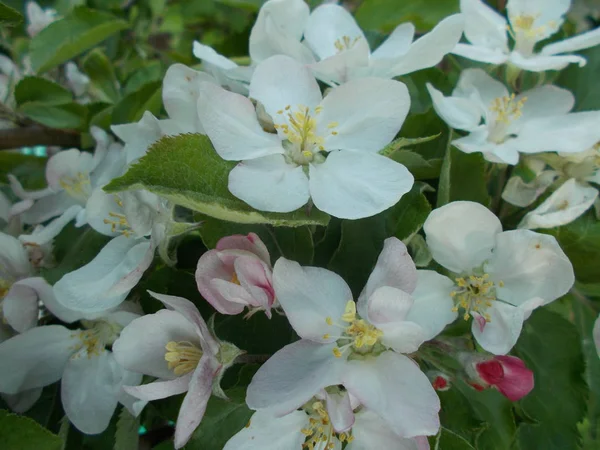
x,y
237,274
359,346
500,277
181,352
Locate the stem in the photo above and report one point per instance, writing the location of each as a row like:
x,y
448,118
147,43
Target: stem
x,y
30,136
251,359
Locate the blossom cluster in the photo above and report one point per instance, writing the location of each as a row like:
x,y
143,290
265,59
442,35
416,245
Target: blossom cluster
x,y
307,123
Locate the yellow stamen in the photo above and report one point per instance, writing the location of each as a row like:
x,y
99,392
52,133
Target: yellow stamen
x,y
182,356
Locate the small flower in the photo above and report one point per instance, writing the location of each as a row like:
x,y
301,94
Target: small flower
x,y
237,274
501,125
499,277
530,23
38,18
324,149
507,374
77,81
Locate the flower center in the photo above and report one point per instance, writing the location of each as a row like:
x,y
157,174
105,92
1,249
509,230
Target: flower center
x,y
475,295
117,221
506,110
78,187
345,43
319,432
5,286
234,279
358,334
526,33
182,356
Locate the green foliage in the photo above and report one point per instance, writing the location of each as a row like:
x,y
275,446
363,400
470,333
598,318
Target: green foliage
x,y
30,170
126,436
23,433
9,16
133,106
104,83
186,170
583,81
78,31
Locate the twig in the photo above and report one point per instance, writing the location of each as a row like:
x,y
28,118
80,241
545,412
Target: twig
x,y
36,135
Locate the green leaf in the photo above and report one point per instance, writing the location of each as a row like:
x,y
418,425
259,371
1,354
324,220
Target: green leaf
x,y
37,89
126,436
133,106
384,15
70,115
104,83
186,170
550,346
580,240
583,81
221,421
78,31
23,433
449,440
295,244
400,143
462,177
407,217
8,16
421,168
30,170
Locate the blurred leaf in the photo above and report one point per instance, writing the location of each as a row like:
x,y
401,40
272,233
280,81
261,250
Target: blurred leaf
x,y
126,436
152,72
37,89
583,81
551,347
421,168
186,170
30,170
78,31
420,100
449,440
70,115
295,244
23,433
133,106
8,16
104,85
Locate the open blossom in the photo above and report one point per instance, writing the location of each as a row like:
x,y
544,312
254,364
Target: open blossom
x,y
343,51
502,125
38,18
181,352
530,22
237,274
508,374
79,358
325,422
500,277
324,149
360,346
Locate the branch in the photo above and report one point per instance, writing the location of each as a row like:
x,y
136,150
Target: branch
x,y
36,135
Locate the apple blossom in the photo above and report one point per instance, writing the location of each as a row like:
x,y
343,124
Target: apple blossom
x,y
324,149
181,352
508,374
237,274
77,81
596,335
538,120
531,21
359,346
38,18
91,380
500,276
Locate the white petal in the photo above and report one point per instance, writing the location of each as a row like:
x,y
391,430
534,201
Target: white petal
x,y
432,307
457,112
393,387
338,69
366,114
89,389
68,163
481,54
506,321
139,136
478,81
143,352
36,358
53,229
230,122
545,101
484,27
98,209
353,185
339,408
428,50
518,193
160,389
530,265
573,44
269,184
541,63
280,81
293,375
397,44
330,24
20,305
13,257
133,405
548,15
209,55
104,282
22,401
371,432
461,235
266,431
310,295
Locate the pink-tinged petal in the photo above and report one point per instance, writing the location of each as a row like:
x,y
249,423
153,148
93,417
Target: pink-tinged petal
x,y
194,404
250,243
393,387
140,351
234,298
256,278
394,268
509,375
371,432
160,389
293,375
340,411
188,310
311,298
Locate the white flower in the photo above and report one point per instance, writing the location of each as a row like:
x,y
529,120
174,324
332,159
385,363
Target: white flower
x,y
38,18
500,277
180,351
92,380
10,75
535,121
362,351
343,51
281,171
531,21
596,335
327,421
77,80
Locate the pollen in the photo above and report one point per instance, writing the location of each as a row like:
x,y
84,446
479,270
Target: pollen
x,y
345,43
301,129
79,187
118,223
182,357
475,294
525,25
234,279
507,109
319,432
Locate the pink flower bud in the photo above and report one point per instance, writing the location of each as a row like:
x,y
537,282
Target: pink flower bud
x,y
440,381
237,274
508,374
